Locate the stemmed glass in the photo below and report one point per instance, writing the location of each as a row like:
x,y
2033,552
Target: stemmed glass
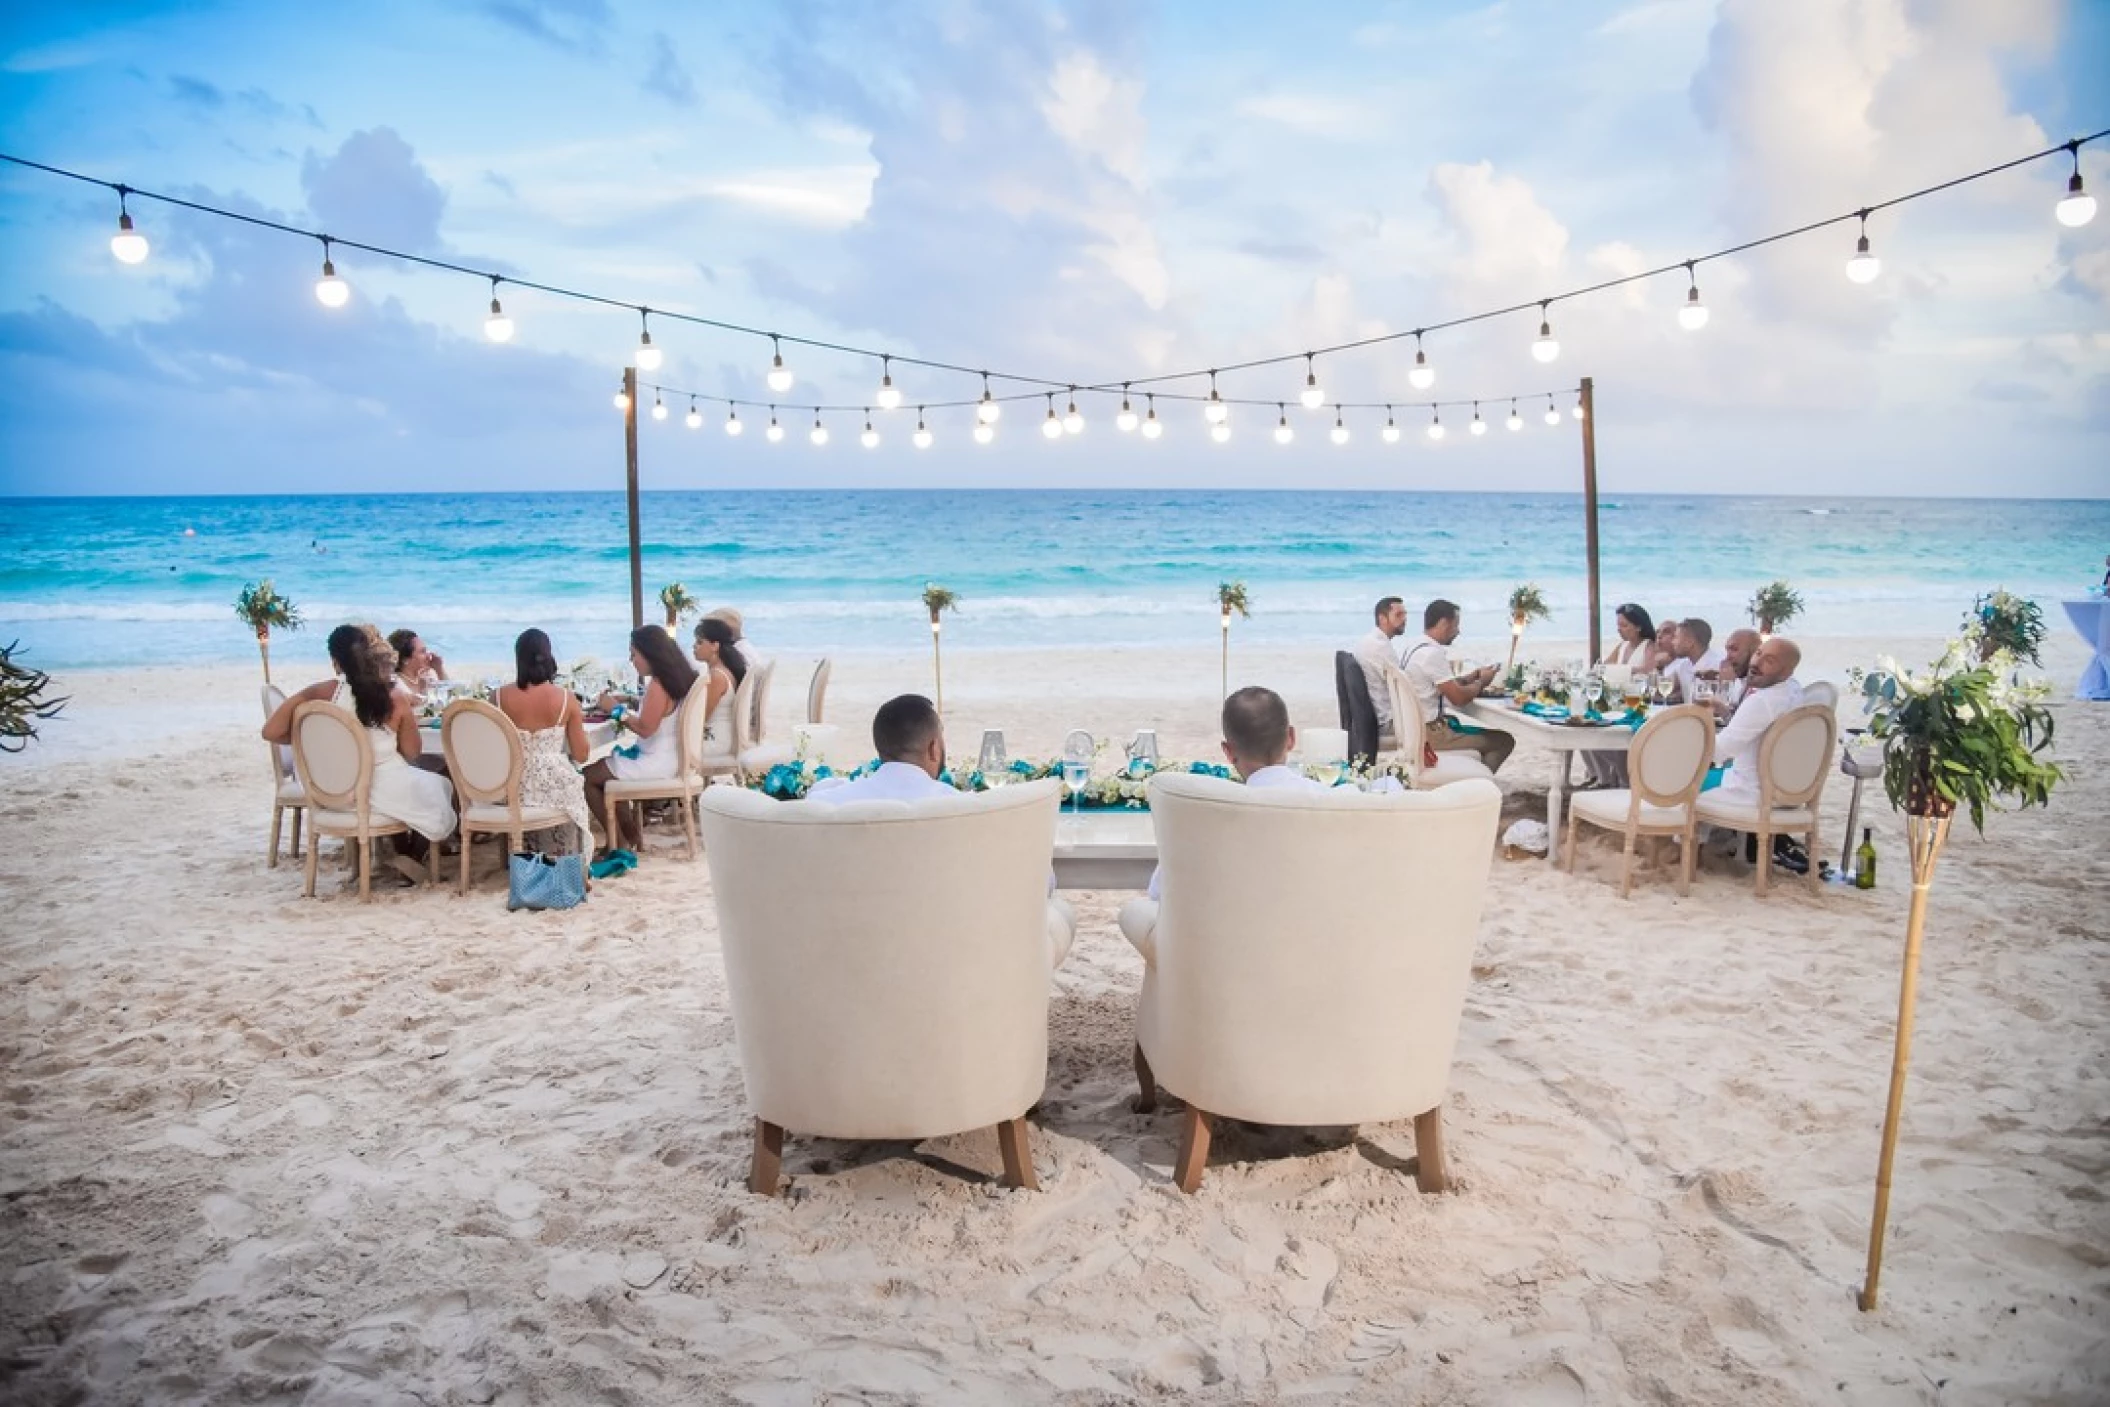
x,y
1077,766
995,765
1666,685
1591,689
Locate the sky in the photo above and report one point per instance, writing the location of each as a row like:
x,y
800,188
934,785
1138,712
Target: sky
x,y
1085,193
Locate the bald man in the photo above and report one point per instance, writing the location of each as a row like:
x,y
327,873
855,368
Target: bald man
x,y
1769,691
1737,651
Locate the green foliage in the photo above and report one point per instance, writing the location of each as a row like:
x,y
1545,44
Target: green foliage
x,y
1774,605
1231,596
678,602
937,598
263,610
23,703
1527,604
2005,621
1966,730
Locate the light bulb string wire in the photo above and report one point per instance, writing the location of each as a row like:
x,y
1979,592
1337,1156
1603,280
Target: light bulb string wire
x,y
1194,398
2070,147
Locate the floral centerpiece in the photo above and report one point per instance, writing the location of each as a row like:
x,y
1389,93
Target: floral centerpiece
x,y
2005,621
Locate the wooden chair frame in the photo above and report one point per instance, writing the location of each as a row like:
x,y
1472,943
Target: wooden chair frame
x,y
357,801
692,771
519,820
1773,798
1639,793
817,689
274,698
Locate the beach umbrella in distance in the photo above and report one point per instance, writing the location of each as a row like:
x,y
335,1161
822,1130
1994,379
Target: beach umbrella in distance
x,y
24,702
1962,732
678,602
1526,604
937,599
263,610
1773,606
1230,596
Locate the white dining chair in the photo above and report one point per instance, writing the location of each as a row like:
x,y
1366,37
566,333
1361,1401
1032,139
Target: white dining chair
x,y
484,756
817,690
694,768
286,791
1665,767
1794,758
335,762
758,716
1407,725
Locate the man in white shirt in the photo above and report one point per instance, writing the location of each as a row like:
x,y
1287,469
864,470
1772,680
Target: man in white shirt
x,y
910,741
1693,655
1257,743
1378,654
1737,651
1427,664
1770,691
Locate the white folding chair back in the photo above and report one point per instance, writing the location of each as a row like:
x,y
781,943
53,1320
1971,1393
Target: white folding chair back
x,y
817,690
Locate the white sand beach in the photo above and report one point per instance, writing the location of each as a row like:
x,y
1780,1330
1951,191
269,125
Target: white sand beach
x,y
264,1149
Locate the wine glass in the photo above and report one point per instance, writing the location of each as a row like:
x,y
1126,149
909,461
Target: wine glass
x,y
1591,689
995,764
1666,684
1077,752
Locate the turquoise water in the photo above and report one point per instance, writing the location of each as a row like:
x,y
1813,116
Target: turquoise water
x,y
111,581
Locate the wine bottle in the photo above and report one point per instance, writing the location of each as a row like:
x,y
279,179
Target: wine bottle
x,y
1865,860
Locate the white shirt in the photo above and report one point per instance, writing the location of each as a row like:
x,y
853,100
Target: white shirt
x,y
894,781
1377,654
1737,744
1428,665
1279,775
1683,670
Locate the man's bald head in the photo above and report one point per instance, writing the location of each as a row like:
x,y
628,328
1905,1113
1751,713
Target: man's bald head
x,y
1777,659
1737,651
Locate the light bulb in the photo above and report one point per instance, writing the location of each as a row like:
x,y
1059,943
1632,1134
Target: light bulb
x,y
1479,425
819,433
1580,413
1283,433
1152,426
1864,266
1221,430
1391,431
1052,426
330,290
984,432
779,377
498,327
1126,420
1693,315
1340,431
694,419
1553,414
870,438
1515,421
622,400
649,357
922,436
775,431
1072,419
2076,210
1546,347
1435,426
1313,395
987,410
1421,375
1215,411
732,422
130,246
659,408
888,397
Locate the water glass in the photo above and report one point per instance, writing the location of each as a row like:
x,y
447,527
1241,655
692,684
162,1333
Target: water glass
x,y
1074,776
1703,691
995,764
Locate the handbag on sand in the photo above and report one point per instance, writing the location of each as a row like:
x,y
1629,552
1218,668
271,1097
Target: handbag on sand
x,y
545,882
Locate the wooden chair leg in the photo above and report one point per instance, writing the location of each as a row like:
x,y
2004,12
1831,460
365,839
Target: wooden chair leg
x,y
1765,859
1809,848
1194,1151
688,822
1430,1174
1571,842
1016,1142
432,858
366,869
1146,1101
463,886
769,1158
278,817
615,831
1626,868
299,813
1686,845
314,850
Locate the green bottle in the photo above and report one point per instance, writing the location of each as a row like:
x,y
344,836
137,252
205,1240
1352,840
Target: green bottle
x,y
1865,860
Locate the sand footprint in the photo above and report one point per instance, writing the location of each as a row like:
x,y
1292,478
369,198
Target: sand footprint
x,y
1554,1385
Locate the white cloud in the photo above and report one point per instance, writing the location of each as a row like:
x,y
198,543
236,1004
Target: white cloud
x,y
1307,112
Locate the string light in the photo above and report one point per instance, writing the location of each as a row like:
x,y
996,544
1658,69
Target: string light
x,y
819,434
779,377
1421,375
1864,266
1435,423
1221,430
622,399
659,407
775,432
987,410
1051,427
1126,420
694,419
1313,396
130,246
921,438
984,432
330,290
870,438
1391,430
1546,347
649,357
2074,211
888,396
1479,425
1579,411
1215,412
1152,426
1515,421
1283,434
1340,431
498,327
1553,412
732,422
1692,316
1072,420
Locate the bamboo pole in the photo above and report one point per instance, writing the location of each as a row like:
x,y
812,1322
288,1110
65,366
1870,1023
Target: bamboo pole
x,y
937,662
637,558
1588,402
1226,683
1926,836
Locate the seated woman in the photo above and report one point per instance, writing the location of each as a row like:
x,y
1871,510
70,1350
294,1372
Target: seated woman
x,y
717,649
552,742
365,668
1636,643
656,725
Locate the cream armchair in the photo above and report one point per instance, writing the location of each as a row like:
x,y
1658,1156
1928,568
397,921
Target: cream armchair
x,y
1308,960
888,963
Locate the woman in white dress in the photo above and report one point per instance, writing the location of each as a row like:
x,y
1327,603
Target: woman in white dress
x,y
1637,638
365,685
725,666
552,742
656,725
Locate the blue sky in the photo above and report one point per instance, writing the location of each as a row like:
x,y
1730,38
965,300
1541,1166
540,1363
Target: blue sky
x,y
1087,192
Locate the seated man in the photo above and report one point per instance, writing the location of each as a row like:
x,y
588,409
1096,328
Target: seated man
x,y
1428,669
1770,691
1378,653
1737,651
1693,655
1257,743
910,741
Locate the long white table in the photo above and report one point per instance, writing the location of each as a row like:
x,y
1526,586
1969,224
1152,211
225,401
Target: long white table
x,y
1565,741
1105,850
2091,618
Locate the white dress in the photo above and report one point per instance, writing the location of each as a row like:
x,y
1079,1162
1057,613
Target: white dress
x,y
422,800
659,756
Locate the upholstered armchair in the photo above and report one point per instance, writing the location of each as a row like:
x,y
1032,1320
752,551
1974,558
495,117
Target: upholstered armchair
x,y
1308,959
888,963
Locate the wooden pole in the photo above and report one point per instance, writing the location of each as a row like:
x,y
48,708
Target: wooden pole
x,y
637,559
1589,439
1926,835
937,663
1227,655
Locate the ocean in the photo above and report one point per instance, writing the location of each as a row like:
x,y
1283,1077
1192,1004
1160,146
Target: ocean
x,y
105,582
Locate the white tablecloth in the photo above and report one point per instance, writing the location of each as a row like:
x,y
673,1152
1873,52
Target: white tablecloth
x,y
2092,619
